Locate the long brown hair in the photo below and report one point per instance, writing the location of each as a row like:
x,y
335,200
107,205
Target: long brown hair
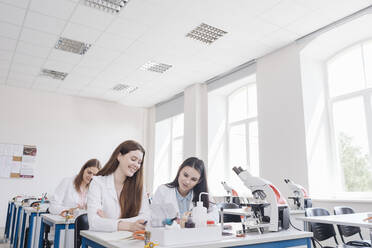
x,y
131,193
79,178
201,186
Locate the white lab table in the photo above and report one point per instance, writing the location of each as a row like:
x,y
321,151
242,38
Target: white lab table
x,y
343,219
60,224
287,238
31,219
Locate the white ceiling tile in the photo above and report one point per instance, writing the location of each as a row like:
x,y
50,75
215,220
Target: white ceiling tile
x,y
7,44
38,38
12,14
17,3
74,80
19,84
64,56
44,23
16,77
24,69
28,60
99,65
58,66
84,71
104,83
58,8
45,83
285,12
92,17
81,33
308,23
115,42
89,91
279,38
5,56
9,30
101,53
127,27
33,50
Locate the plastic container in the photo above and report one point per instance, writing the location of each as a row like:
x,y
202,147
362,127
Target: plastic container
x,y
199,213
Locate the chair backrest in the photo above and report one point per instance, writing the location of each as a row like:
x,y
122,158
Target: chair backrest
x,y
321,231
229,217
81,223
346,230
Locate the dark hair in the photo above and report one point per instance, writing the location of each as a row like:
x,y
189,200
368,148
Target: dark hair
x,y
202,185
131,193
79,178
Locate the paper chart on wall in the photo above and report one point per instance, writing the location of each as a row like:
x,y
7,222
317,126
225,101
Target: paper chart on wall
x,y
17,161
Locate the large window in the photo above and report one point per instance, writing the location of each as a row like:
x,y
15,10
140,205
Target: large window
x,y
168,149
233,135
349,86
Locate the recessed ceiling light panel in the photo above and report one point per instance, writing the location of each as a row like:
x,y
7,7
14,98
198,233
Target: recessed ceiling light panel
x,y
72,46
126,89
54,74
113,6
206,33
156,67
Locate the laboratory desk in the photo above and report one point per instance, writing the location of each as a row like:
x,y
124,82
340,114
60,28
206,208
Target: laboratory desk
x,y
59,224
31,219
344,219
16,220
288,238
8,223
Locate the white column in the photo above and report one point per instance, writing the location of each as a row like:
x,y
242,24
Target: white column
x,y
196,122
282,140
149,145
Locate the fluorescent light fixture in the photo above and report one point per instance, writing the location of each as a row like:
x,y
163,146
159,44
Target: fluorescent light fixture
x,y
155,67
206,33
126,89
113,6
72,46
54,74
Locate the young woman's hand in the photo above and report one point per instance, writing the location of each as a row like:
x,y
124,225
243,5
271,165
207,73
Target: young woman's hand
x,y
131,226
67,212
101,213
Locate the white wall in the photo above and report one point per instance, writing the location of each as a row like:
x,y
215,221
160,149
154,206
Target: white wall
x,y
67,132
282,141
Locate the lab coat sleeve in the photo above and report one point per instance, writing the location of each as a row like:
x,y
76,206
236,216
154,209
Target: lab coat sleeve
x,y
158,197
144,213
94,202
56,201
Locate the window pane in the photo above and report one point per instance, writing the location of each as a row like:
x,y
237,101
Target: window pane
x,y
178,125
177,155
367,50
253,149
345,72
252,100
238,105
351,138
237,148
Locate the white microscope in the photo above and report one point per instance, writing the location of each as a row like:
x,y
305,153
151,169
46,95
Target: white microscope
x,y
301,197
269,207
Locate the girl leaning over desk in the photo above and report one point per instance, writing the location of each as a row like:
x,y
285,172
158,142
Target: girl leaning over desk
x,y
116,200
183,192
71,193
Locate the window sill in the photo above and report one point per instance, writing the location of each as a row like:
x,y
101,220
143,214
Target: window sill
x,y
366,201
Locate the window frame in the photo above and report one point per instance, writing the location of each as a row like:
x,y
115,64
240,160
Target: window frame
x,y
366,95
247,121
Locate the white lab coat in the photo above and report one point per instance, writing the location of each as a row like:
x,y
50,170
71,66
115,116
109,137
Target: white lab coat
x,y
102,196
167,195
65,197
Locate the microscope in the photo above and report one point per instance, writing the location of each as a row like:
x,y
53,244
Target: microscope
x,y
301,198
269,207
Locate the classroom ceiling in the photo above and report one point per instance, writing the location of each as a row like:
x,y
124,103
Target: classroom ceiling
x,y
144,31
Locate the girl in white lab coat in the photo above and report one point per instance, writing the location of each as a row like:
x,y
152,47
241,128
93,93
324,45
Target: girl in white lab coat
x,y
183,192
71,193
116,200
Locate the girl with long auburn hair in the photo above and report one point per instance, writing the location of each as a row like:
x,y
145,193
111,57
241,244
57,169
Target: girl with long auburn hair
x,y
183,192
116,200
71,193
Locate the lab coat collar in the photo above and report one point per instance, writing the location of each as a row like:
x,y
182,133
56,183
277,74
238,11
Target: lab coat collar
x,y
110,184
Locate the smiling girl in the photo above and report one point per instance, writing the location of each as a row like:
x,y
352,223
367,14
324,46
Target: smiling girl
x,y
116,201
183,192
